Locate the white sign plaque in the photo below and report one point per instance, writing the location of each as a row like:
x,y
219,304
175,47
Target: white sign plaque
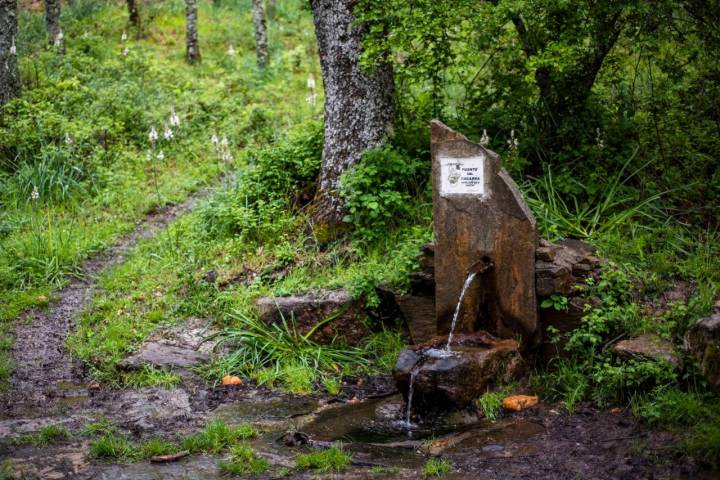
x,y
462,176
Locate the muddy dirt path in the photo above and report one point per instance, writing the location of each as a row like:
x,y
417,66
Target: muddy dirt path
x,y
44,371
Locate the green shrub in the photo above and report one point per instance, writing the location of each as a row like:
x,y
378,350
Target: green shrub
x,y
491,404
381,191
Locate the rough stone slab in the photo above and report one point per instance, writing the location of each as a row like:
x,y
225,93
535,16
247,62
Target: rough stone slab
x,y
496,224
702,341
163,356
419,315
149,409
310,309
649,347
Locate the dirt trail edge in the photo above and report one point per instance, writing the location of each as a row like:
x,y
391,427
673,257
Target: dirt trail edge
x,y
44,371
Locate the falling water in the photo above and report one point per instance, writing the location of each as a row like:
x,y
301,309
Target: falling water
x,y
467,283
413,373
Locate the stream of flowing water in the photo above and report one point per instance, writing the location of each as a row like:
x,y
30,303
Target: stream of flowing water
x,y
467,283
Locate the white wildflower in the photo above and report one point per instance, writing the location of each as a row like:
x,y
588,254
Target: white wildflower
x,y
224,142
311,99
68,139
13,48
59,39
124,37
34,195
161,155
231,50
168,134
153,135
513,142
126,51
214,140
226,156
311,82
485,139
174,119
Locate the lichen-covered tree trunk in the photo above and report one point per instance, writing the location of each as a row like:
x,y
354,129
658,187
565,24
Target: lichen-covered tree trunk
x,y
52,20
359,105
9,74
261,43
191,30
133,13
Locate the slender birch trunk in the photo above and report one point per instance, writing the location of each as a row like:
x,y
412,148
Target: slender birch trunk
x,y
193,48
52,20
9,73
133,13
261,43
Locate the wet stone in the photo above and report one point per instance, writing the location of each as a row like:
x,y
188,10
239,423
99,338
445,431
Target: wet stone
x,y
648,347
163,356
343,313
702,341
149,409
455,379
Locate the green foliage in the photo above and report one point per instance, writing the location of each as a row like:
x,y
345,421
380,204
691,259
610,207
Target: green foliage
x,y
333,459
244,461
381,191
384,347
275,178
436,467
692,414
331,385
591,371
150,376
112,447
558,302
491,404
281,349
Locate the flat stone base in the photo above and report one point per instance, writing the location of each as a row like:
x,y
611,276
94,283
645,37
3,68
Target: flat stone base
x,y
443,380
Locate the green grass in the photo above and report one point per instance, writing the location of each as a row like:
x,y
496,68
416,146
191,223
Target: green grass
x,y
48,435
150,376
491,404
114,447
244,461
331,459
216,437
436,467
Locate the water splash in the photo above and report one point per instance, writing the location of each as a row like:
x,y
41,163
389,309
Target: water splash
x,y
467,283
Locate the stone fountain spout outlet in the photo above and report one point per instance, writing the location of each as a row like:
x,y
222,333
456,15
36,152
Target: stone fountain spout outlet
x,y
481,266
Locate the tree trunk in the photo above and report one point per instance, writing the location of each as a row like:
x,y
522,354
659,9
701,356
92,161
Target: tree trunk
x,y
133,13
359,105
9,74
261,43
193,49
52,19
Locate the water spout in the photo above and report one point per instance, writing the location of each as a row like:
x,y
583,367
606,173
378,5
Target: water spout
x,y
408,412
467,283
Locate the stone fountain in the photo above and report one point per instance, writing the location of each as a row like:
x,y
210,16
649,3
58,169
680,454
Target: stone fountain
x,y
484,267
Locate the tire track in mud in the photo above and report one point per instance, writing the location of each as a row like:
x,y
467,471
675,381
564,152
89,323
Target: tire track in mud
x,y
44,371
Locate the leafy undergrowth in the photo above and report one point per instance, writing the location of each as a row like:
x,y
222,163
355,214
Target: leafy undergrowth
x,y
80,166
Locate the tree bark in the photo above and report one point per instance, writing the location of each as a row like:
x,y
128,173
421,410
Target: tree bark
x,y
133,13
261,43
193,48
9,73
359,105
52,20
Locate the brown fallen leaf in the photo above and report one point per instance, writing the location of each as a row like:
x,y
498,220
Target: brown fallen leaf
x,y
517,403
616,410
231,380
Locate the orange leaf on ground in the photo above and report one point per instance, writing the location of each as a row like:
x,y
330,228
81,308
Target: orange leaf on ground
x,y
231,380
516,403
